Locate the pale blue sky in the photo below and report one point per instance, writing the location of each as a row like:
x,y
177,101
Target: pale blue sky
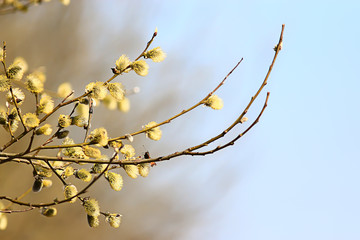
x,y
298,170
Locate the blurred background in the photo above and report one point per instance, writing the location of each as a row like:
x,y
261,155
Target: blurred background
x,y
295,175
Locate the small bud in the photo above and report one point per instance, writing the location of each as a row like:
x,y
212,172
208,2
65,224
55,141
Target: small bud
x,y
140,67
62,134
123,63
214,102
64,90
48,212
83,174
115,180
38,184
278,47
93,221
144,169
124,105
244,119
114,220
70,191
156,54
99,136
129,137
44,130
31,120
34,84
91,207
132,171
18,95
153,133
98,90
92,152
128,151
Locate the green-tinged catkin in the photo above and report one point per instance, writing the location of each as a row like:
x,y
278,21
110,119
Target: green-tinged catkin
x,y
79,121
115,180
93,221
64,121
31,120
114,220
4,83
34,83
48,211
144,169
92,152
69,171
75,152
153,133
132,171
42,172
99,136
97,90
21,62
15,72
83,174
98,167
140,67
116,90
91,207
44,130
46,104
123,63
69,192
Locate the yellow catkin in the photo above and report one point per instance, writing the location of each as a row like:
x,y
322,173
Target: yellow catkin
x,y
153,133
91,207
140,67
70,191
115,180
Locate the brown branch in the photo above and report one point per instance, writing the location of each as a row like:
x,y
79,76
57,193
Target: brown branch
x,y
183,111
39,205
